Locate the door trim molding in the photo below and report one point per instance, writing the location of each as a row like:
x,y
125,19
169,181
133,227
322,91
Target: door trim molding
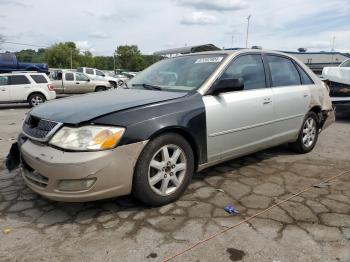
x,y
253,126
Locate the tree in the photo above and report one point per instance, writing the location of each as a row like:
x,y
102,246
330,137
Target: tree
x,y
129,58
60,55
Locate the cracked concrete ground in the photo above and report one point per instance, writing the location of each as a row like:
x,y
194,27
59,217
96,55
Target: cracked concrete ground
x,y
314,226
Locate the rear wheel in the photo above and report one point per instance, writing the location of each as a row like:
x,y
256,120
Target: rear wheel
x,y
164,170
36,99
308,134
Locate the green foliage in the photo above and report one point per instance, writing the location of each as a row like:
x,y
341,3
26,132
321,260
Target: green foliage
x,y
129,58
59,55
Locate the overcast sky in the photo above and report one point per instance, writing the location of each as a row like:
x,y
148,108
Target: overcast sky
x,y
154,25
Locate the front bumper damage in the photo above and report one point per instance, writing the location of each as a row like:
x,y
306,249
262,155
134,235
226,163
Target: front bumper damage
x,y
44,168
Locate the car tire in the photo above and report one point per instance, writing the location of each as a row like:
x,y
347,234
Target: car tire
x,y
36,99
100,89
161,177
308,134
113,84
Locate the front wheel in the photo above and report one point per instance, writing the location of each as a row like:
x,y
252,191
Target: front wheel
x,y
36,99
100,89
308,134
164,170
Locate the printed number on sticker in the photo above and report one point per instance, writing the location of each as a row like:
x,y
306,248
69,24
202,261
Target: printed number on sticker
x,y
209,60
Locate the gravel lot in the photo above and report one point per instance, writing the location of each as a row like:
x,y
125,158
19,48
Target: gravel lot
x,y
314,226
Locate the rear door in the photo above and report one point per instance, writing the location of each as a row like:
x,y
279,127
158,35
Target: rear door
x,y
4,89
240,122
19,87
69,83
291,97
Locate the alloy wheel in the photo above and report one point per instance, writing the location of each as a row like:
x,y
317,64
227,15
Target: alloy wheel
x,y
309,132
167,170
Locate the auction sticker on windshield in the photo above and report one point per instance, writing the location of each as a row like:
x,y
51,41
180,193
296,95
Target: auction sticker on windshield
x,y
209,60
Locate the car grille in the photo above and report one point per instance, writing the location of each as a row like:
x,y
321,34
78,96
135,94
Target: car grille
x,y
39,129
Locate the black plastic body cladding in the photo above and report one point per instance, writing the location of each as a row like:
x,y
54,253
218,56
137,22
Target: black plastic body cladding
x,y
186,115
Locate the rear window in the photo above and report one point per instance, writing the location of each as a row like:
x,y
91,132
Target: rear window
x,y
39,79
69,77
80,69
89,71
19,80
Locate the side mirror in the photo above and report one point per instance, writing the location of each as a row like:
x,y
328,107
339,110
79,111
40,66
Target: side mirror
x,y
228,85
88,80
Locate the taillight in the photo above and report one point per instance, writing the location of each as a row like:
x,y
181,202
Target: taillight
x,y
50,87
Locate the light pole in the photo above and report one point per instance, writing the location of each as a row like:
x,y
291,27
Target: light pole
x,y
246,40
232,41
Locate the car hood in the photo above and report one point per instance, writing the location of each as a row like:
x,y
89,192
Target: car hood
x,y
77,109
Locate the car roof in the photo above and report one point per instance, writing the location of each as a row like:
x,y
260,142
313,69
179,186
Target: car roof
x,y
243,50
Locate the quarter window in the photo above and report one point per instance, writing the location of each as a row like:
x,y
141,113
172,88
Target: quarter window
x,y
283,71
69,77
4,80
89,71
248,67
19,80
305,78
39,79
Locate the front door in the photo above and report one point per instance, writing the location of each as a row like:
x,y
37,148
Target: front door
x,y
84,83
240,122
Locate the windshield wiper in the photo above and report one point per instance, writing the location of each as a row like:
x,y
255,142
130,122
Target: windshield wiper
x,y
149,87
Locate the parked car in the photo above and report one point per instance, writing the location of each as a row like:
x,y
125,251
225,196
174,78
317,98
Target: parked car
x,y
338,80
121,78
150,137
67,82
32,87
9,63
96,74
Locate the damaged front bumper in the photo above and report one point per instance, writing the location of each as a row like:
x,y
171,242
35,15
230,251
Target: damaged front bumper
x,y
78,176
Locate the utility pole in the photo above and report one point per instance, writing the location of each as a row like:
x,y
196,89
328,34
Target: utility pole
x,y
71,59
333,40
246,40
232,41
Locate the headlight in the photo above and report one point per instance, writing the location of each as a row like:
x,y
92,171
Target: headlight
x,y
87,138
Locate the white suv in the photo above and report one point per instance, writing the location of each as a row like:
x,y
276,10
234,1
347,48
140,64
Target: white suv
x,y
96,74
32,87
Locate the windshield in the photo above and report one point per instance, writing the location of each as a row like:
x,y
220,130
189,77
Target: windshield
x,y
183,74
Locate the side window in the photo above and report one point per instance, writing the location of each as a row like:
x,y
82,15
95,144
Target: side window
x,y
19,80
305,78
100,73
39,79
4,80
89,71
69,77
248,67
283,71
80,69
81,77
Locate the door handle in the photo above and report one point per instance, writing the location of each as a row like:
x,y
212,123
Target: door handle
x,y
306,95
77,83
267,100
26,86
